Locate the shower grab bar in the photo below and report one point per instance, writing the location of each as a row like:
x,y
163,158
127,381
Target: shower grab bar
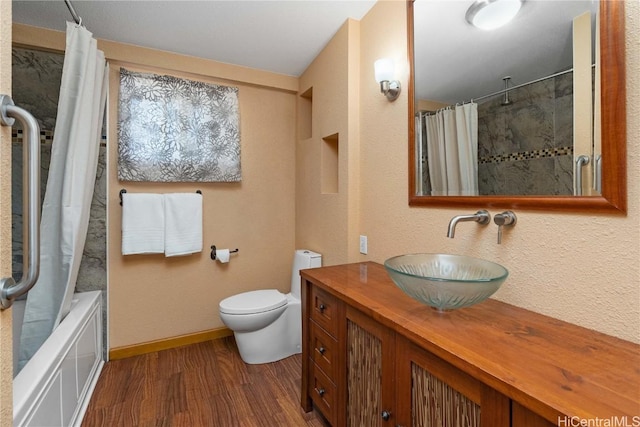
x,y
581,161
598,174
9,290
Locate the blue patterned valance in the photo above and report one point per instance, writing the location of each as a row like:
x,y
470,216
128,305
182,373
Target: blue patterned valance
x,y
177,130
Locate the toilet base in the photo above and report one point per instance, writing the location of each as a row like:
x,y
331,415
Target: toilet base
x,y
280,339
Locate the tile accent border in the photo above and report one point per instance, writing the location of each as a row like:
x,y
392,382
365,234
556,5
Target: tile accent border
x,y
46,136
528,155
17,136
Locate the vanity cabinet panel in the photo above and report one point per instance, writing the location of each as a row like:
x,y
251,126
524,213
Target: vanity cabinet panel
x,y
324,310
323,350
324,394
370,372
489,365
523,417
323,355
433,393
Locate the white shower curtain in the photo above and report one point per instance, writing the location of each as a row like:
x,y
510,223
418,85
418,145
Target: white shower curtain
x,y
67,200
452,151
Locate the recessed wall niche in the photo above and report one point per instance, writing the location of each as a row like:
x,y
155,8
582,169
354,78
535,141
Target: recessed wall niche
x,y
330,162
305,114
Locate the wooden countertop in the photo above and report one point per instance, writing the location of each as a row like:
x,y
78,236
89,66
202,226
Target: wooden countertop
x,y
554,368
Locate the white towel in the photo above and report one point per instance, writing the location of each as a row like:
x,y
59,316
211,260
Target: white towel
x,y
183,223
142,223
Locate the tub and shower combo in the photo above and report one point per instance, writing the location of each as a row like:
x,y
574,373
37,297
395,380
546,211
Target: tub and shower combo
x,y
58,334
54,385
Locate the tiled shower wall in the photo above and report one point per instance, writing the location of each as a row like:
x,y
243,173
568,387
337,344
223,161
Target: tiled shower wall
x,y
36,86
526,147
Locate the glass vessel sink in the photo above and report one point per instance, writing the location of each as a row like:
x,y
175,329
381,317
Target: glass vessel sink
x,y
446,282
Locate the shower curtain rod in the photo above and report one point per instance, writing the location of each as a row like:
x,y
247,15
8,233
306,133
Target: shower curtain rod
x,y
73,12
500,92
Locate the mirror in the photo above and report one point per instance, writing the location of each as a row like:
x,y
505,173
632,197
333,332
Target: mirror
x,y
611,196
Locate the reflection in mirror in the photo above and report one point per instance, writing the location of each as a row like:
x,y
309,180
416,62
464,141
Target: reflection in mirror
x,y
517,124
511,118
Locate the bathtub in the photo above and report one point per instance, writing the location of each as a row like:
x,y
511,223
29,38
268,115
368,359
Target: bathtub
x,y
54,387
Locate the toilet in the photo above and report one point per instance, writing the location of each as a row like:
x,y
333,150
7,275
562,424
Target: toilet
x,y
267,324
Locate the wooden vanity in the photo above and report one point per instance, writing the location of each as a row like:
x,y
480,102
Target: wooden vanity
x,y
372,356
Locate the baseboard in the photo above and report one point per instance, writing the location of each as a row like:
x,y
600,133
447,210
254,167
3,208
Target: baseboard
x,y
167,343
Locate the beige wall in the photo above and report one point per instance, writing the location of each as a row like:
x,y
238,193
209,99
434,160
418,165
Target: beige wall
x,y
426,105
152,297
581,268
328,222
6,348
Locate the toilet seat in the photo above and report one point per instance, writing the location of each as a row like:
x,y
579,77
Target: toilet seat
x,y
253,302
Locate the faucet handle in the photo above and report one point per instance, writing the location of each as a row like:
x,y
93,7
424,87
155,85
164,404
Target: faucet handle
x,y
506,218
483,217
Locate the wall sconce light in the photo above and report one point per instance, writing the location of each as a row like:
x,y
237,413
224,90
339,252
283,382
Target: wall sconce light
x,y
385,71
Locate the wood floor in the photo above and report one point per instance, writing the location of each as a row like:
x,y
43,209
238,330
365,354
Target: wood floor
x,y
204,384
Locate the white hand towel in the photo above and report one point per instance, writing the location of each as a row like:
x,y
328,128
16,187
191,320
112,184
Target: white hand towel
x,y
142,223
183,223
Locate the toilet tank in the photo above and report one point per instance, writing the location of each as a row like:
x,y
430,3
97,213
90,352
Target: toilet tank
x,y
302,259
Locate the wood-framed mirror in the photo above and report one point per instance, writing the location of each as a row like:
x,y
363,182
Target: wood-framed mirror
x,y
613,190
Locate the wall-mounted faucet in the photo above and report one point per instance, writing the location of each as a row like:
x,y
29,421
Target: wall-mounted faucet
x,y
481,217
506,218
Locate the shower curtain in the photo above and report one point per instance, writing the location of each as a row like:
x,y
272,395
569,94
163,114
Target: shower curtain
x,y
67,200
452,150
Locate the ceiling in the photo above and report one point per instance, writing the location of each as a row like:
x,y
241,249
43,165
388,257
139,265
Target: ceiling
x,y
273,35
454,61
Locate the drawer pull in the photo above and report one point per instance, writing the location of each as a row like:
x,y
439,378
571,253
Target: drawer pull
x,y
321,392
386,415
322,350
321,308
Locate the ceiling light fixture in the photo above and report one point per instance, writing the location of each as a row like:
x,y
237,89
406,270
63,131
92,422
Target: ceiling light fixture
x,y
385,70
492,14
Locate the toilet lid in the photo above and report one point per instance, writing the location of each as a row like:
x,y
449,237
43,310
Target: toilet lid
x,y
253,302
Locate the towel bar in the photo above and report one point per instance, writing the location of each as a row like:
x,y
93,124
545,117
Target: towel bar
x,y
124,190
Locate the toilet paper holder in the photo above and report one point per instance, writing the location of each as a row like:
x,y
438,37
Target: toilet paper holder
x,y
213,252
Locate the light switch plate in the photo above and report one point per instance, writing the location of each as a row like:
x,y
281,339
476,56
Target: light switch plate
x,y
363,245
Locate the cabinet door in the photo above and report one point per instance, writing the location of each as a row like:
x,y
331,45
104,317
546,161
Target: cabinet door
x,y
434,393
370,372
523,417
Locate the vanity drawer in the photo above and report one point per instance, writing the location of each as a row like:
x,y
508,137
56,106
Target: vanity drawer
x,y
323,393
323,350
324,310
